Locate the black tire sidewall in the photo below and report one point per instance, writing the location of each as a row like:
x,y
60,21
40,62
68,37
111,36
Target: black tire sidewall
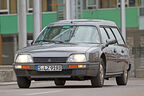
x,y
96,81
121,79
23,82
59,82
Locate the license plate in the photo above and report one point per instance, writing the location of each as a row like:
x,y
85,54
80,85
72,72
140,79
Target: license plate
x,y
49,68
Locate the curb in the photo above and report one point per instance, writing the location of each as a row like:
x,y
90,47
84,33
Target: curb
x,y
11,83
7,83
7,74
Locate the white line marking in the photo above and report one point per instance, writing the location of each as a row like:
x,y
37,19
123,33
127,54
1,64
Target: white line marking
x,y
43,93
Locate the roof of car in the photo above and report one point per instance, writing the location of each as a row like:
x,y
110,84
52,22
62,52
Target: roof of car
x,y
83,22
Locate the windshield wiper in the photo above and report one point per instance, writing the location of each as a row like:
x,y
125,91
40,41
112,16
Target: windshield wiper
x,y
50,41
41,41
87,42
56,41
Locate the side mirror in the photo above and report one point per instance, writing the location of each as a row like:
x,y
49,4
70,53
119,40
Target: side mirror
x,y
29,42
111,41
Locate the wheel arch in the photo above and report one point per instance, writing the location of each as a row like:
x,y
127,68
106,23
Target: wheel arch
x,y
104,58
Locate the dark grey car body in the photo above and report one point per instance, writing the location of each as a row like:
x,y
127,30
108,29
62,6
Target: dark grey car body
x,y
58,53
116,56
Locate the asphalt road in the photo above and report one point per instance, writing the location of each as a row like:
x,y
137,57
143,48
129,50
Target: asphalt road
x,y
135,87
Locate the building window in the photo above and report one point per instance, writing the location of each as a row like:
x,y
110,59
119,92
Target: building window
x,y
132,2
103,3
30,5
108,3
60,9
119,3
4,6
141,11
142,2
51,5
91,4
113,4
13,6
46,5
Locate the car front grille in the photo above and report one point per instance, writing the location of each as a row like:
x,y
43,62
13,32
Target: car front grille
x,y
50,59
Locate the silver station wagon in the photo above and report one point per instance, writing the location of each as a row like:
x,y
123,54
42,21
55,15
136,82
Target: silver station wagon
x,y
74,50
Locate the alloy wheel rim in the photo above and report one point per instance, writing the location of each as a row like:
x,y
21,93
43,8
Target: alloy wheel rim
x,y
101,73
125,75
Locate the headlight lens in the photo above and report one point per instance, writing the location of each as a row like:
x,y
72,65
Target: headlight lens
x,y
77,58
24,58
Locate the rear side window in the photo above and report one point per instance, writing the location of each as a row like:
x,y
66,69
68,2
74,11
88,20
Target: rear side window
x,y
111,35
118,36
103,35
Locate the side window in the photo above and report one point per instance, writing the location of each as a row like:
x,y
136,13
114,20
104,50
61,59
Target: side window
x,y
103,35
118,36
111,35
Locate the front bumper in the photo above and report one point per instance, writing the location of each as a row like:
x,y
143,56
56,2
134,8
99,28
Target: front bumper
x,y
90,70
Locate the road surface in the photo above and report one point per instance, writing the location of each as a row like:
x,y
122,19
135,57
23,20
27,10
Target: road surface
x,y
135,87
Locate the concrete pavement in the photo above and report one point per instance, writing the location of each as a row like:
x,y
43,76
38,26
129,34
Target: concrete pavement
x,y
135,87
6,73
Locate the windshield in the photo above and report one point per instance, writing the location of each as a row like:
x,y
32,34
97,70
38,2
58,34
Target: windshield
x,y
69,34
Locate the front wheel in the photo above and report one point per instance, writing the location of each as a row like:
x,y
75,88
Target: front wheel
x,y
23,82
123,79
98,81
59,82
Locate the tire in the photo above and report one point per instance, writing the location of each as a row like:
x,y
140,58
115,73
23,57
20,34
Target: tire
x,y
98,80
23,82
123,79
59,82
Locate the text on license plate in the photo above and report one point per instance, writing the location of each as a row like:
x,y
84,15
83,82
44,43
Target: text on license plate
x,y
49,68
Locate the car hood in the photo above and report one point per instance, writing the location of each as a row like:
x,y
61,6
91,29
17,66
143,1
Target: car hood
x,y
53,50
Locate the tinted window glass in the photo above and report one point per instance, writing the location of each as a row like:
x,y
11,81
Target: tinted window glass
x,y
104,35
118,36
110,33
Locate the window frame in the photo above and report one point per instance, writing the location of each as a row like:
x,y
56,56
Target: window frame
x,y
120,35
112,33
106,34
28,6
94,6
7,10
106,26
126,3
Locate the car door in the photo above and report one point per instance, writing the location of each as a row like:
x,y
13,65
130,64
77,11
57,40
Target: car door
x,y
110,55
112,49
122,50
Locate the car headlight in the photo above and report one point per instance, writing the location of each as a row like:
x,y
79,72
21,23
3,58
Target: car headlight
x,y
77,58
24,58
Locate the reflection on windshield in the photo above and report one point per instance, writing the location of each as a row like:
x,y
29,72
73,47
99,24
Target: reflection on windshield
x,y
69,34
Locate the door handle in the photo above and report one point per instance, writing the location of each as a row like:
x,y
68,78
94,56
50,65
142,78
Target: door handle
x,y
122,51
115,51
